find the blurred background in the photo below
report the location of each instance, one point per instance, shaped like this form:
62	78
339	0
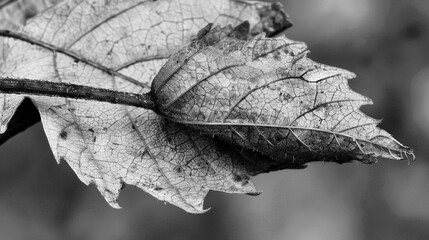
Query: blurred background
385	42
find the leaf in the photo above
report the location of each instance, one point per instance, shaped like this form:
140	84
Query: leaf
121	45
14	14
265	95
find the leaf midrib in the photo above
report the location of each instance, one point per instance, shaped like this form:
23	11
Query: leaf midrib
403	149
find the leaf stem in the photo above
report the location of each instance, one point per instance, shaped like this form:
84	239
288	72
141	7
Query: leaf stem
67	90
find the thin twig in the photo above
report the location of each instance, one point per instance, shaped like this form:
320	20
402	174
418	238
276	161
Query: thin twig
54	89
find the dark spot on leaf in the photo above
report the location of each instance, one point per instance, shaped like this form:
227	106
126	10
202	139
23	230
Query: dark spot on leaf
178	169
108	191
62	158
94	139
278	137
285	96
30	11
105	129
201	116
76	61
237	178
243	179
63	135
158	188
91	130
133	126
276	56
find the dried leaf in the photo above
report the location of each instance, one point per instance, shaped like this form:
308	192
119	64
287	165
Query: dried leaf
14	14
121	45
265	95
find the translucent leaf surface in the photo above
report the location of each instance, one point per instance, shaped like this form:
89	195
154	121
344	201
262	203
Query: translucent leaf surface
265	95
14	13
121	45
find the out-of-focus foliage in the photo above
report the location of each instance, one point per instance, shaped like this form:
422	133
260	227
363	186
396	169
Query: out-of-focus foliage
385	42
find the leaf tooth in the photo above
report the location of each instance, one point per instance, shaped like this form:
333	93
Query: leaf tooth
243	184
297	48
198	209
3	128
110	196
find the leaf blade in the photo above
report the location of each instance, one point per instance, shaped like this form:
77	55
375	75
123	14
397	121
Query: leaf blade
264	94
